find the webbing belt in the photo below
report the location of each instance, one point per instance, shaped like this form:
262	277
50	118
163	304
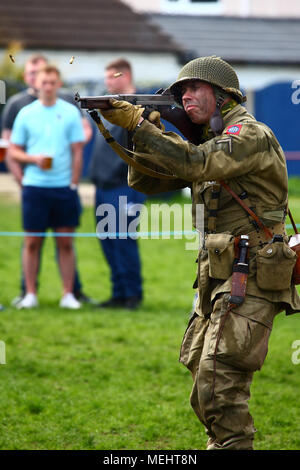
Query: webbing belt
259	238
213	207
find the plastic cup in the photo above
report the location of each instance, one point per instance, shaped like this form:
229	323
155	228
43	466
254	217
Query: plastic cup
47	162
3	148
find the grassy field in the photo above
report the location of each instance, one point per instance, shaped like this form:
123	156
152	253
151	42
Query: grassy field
111	379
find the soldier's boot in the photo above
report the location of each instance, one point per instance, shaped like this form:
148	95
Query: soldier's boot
212	444
243	445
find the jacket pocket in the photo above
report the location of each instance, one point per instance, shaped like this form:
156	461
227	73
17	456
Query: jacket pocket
220	247
275	263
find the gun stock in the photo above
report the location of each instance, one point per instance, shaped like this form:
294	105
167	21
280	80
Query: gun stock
178	117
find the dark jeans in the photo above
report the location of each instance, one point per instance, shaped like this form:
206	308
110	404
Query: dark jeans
122	254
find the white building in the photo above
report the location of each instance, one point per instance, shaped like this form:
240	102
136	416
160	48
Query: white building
242	8
259	38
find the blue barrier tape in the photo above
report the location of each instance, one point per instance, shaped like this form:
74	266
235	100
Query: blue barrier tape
106	234
95	235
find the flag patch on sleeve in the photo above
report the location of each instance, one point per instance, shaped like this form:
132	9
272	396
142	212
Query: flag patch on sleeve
235	129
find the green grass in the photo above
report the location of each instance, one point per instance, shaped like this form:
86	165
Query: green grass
111	379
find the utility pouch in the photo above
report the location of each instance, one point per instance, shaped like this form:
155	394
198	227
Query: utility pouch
275	263
220	247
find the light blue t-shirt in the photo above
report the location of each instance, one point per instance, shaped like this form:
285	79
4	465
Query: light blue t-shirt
48	130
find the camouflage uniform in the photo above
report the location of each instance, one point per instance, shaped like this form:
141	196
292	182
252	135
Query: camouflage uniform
248	157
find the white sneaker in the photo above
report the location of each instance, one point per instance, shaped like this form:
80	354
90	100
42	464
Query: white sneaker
69	301
16	300
29	301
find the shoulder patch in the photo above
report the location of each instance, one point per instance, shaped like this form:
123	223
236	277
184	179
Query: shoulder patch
235	129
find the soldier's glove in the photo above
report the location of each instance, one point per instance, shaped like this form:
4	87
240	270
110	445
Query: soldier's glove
123	114
154	117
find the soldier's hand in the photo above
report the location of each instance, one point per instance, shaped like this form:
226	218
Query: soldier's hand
123	114
154	117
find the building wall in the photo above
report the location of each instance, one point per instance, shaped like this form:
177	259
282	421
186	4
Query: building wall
151	69
255	77
243	8
265	8
89	66
180	6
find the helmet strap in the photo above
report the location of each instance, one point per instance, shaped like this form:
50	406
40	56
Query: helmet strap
224	104
216	120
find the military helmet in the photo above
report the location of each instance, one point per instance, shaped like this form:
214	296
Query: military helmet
212	70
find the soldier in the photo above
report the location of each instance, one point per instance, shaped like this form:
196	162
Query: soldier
227	337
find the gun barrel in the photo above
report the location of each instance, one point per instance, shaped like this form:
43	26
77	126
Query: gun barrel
102	102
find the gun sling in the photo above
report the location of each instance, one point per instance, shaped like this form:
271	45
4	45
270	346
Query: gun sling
124	153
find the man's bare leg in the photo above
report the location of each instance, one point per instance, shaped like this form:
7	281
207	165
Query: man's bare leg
66	258
31	255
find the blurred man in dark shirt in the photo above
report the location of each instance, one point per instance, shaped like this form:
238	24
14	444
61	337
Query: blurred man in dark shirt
109	174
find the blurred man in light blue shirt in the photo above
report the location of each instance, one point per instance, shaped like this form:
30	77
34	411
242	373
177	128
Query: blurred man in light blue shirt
48	130
14	104
49	127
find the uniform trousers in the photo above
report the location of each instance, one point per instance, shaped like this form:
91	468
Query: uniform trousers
222	378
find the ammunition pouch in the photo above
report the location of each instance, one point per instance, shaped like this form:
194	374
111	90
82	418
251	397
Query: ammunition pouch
275	264
220	247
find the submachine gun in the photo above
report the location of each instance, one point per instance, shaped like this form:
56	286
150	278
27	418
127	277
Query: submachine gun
161	101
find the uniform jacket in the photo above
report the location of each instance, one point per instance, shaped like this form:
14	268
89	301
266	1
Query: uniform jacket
248	157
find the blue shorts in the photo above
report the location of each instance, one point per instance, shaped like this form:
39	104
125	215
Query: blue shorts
49	208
